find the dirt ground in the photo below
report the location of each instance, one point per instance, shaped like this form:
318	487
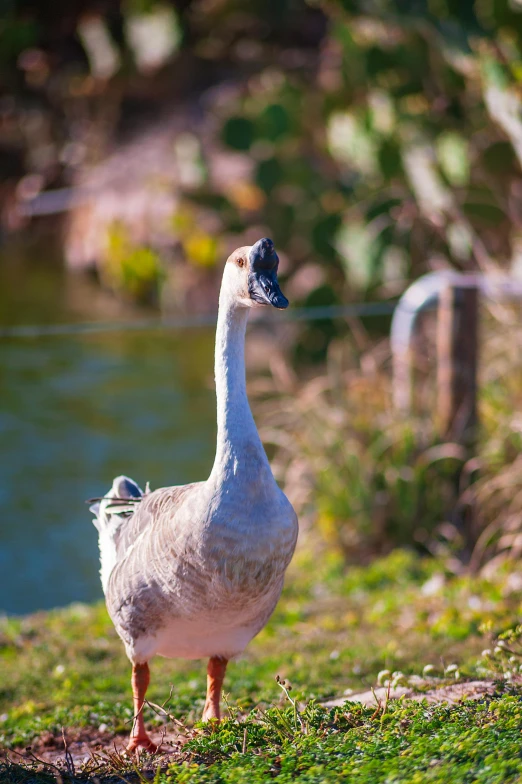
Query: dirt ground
89	747
452	694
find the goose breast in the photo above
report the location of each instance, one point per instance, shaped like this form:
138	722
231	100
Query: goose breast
207	573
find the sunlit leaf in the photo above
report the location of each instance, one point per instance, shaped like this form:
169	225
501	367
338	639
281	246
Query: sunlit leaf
201	249
133	269
358	249
382	111
350	142
494	73
453	155
153	35
460	240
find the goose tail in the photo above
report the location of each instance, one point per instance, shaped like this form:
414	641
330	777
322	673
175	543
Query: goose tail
110	514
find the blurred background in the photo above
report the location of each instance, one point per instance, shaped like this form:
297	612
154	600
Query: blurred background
375	141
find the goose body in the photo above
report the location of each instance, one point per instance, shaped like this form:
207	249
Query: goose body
200	570
195	571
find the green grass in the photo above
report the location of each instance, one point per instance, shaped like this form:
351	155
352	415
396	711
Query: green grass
413	743
332	631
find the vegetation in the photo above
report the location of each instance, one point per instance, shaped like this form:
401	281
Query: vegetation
374	141
471	742
333	632
368	479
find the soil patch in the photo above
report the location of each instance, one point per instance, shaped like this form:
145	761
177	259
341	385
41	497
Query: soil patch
451	694
91	755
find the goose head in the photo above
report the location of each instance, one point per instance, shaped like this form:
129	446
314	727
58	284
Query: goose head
250	276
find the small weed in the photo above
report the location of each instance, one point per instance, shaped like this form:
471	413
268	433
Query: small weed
504	658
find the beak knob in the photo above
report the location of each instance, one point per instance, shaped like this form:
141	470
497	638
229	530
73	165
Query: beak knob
263	256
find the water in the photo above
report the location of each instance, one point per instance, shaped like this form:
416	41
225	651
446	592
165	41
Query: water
74	413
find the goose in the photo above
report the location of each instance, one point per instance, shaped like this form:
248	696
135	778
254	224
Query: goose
195	571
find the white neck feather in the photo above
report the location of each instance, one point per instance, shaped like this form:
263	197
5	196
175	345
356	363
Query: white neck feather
239	449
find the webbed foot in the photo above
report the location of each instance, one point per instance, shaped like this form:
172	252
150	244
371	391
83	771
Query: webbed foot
141	743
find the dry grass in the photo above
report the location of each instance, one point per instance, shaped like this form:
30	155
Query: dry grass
369	479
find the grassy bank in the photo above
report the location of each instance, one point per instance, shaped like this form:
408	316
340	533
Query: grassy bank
333	631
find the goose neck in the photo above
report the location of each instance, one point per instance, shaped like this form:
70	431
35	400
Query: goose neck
238	441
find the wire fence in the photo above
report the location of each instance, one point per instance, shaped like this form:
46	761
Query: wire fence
356	310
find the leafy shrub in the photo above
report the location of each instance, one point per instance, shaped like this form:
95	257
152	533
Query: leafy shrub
129	269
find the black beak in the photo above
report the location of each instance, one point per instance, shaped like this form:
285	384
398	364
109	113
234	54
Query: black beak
262	279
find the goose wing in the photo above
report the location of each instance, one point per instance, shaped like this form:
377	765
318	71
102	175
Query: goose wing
144	587
153	513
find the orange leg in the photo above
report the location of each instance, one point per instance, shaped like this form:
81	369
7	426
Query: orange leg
215	675
140	681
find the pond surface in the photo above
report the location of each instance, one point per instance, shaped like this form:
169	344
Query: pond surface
76	411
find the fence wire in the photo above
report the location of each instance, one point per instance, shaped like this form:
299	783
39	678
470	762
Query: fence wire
360	309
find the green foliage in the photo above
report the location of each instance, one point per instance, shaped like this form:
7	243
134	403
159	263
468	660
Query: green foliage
132	270
16	34
376	139
239	133
396	105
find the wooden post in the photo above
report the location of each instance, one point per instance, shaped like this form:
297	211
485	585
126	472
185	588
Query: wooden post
457	357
